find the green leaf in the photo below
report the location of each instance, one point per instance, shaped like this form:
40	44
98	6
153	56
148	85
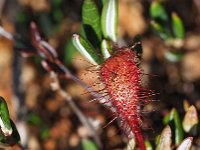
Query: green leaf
34	119
106	49
157	11
58	15
190	119
45	132
178	126
160	31
70	51
5	118
10	140
88	145
103	1
177	26
186	144
166	119
21	17
91	22
164	141
109	20
86	49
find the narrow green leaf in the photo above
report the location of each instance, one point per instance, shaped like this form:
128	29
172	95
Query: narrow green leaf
86	49
106	49
157	11
103	1
34	119
177	26
174	116
109	19
178	126
70	51
88	145
166	119
164	141
91	22
160	31
10	140
186	144
190	119
5	118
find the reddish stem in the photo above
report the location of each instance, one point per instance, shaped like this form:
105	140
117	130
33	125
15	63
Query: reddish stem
139	138
137	133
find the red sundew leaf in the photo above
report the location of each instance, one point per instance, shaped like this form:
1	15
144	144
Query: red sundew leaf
119	73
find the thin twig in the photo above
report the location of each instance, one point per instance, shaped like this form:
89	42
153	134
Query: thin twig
56	86
47	52
67	72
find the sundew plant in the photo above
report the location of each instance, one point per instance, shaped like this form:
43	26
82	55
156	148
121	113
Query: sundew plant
121	89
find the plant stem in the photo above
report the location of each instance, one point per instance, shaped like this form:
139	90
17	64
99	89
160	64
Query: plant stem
76	110
138	135
140	139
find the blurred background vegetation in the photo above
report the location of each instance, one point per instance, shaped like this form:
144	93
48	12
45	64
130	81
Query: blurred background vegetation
171	50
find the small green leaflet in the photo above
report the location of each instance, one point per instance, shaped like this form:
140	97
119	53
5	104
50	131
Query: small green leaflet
157	11
88	145
86	49
109	19
160	30
103	1
174	116
5	118
91	22
177	26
